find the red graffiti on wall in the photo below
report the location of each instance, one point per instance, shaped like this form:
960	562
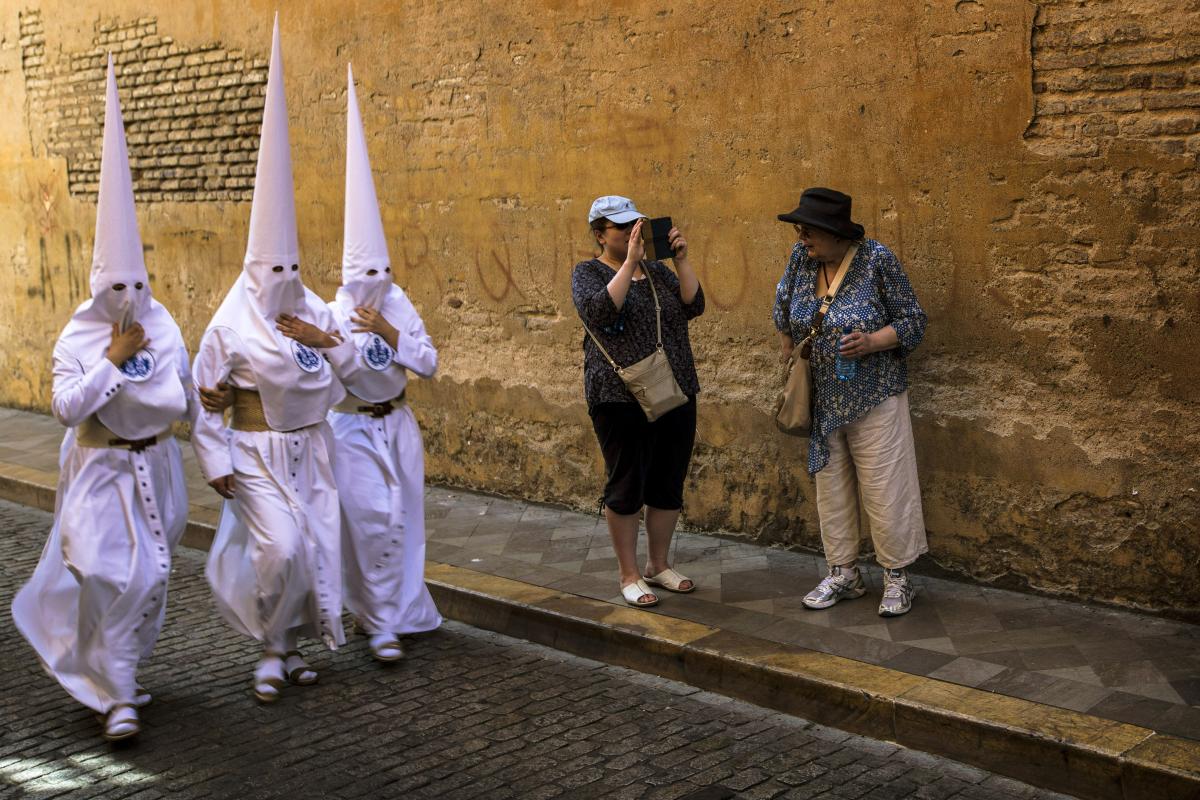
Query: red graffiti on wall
505	266
419	257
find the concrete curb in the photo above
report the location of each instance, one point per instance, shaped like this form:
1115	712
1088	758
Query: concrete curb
1066	751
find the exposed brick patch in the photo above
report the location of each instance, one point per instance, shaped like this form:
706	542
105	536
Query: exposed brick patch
1107	70
192	113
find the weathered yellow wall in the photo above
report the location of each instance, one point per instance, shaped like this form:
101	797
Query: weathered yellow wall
1034	165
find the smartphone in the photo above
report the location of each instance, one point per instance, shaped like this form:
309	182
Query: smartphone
654	237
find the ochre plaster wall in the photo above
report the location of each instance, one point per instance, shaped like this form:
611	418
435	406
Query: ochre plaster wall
1034	166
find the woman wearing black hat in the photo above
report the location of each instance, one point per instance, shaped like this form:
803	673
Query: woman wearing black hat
861	444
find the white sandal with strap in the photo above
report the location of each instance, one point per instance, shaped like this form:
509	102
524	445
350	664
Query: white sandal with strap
634	592
268	677
297	669
386	647
671	580
121	723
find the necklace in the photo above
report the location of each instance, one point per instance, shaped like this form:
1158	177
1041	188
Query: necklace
825	275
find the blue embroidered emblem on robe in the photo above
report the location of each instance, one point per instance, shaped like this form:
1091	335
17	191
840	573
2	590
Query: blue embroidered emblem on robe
377	353
138	367
308	359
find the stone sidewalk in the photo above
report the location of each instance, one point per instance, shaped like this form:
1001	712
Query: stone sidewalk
1137	674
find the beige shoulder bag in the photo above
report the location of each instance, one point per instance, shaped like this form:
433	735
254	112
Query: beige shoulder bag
651	381
793	409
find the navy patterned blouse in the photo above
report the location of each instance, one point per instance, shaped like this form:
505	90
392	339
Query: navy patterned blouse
630	334
874	294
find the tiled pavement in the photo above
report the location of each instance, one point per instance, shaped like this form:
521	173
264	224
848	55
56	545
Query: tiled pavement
1113	664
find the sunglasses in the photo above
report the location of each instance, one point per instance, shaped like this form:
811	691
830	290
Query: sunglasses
621	226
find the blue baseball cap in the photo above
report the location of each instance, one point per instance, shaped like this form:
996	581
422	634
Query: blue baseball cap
615	209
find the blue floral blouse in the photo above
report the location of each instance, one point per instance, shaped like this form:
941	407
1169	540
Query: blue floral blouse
874	294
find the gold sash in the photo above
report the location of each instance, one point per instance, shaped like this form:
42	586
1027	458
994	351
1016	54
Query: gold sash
94	433
248	411
248	415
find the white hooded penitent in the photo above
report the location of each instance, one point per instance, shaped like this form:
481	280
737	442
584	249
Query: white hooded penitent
93	607
380	462
274	562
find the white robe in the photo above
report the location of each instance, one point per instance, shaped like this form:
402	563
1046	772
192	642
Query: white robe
97	599
275	562
380	469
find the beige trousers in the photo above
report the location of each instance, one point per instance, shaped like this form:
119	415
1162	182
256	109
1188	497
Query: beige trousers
873	470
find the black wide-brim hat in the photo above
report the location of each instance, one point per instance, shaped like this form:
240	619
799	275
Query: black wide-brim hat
827	209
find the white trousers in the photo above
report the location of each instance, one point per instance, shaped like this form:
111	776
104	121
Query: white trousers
873	470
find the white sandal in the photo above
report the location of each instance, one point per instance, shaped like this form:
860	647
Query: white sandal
268	678
671	580
121	723
386	648
141	697
298	671
633	593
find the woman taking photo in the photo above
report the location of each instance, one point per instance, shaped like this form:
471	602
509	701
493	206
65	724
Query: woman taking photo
861	442
632	307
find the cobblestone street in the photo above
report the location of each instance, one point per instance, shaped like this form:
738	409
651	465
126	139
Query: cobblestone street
468	714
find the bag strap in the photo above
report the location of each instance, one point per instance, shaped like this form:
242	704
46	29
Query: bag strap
657	322
791	293
830	294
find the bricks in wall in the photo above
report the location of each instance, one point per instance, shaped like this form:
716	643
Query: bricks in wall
1102	73
192	114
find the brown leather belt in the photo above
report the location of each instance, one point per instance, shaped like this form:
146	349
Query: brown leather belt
94	433
356	405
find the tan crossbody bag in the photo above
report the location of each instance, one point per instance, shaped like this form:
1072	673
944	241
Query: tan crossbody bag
651	381
793	408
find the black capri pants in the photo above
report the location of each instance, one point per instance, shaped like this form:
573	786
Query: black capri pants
647	462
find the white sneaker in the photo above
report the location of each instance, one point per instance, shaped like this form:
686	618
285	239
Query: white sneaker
898	593
842	582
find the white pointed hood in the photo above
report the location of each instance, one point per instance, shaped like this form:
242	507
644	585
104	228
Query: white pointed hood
364	248
273	242
117	252
154	396
363	244
294	381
